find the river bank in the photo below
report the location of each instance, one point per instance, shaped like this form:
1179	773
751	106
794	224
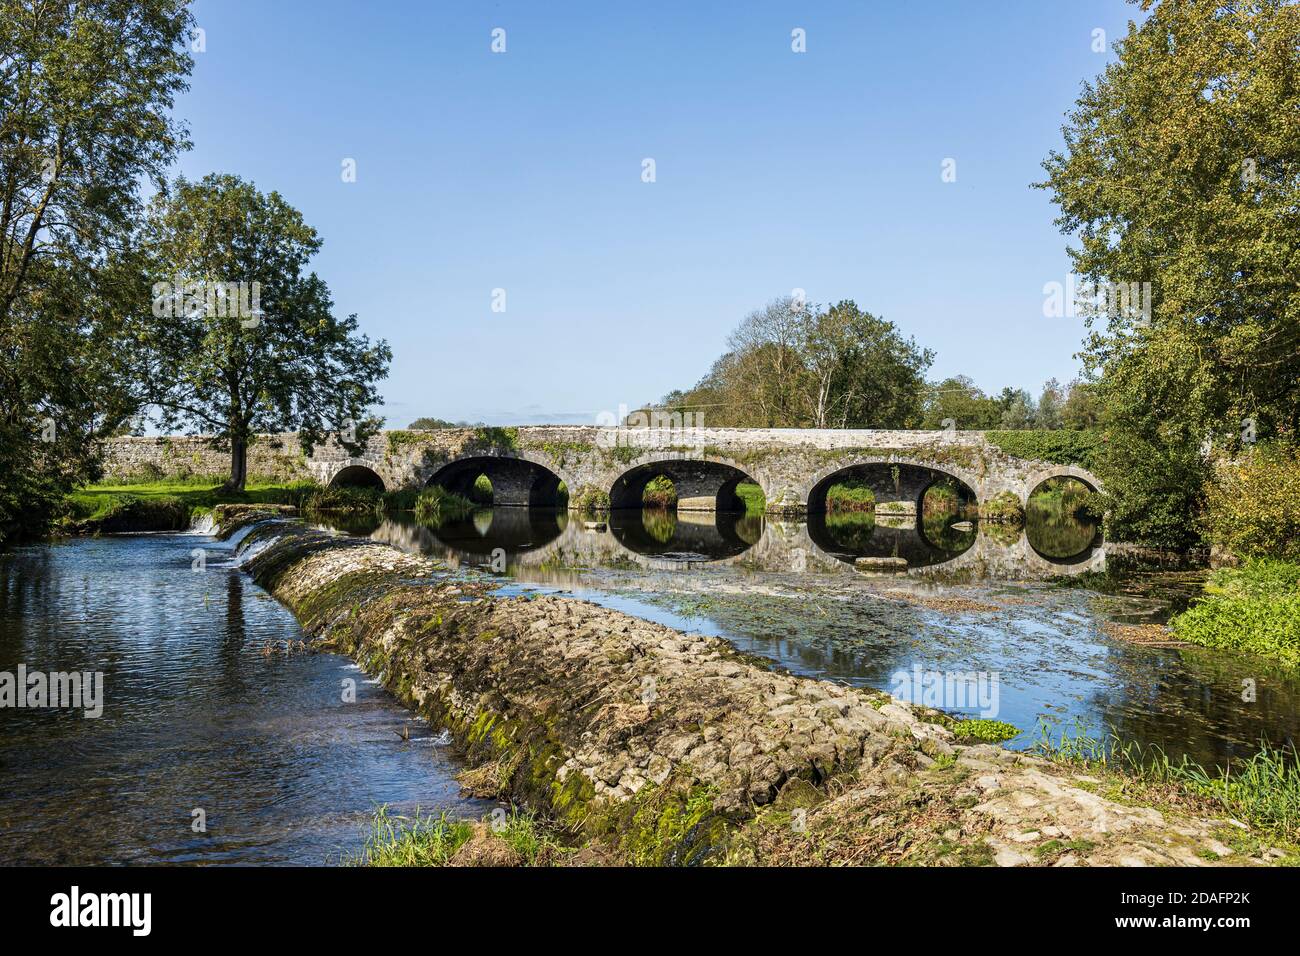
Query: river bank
648	745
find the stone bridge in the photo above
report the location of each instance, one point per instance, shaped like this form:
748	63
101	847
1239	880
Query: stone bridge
611	466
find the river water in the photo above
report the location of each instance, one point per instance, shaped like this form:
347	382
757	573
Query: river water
1033	608
211	704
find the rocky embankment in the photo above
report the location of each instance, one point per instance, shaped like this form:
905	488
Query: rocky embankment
654	746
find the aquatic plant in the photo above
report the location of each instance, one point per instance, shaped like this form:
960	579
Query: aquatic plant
1263	790
1002	507
979	728
1253	608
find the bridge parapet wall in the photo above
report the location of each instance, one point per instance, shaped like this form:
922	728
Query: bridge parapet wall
786	462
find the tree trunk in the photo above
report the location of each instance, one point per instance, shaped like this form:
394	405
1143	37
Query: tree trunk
238	464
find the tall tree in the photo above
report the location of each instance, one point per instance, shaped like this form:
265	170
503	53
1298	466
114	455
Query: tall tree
1047	414
957	399
232	360
1181	170
86	92
797	365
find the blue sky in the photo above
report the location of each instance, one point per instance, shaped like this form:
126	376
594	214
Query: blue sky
774	170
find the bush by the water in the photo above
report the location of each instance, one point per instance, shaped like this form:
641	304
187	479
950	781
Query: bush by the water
659	493
345	499
1253	504
1004	507
850	496
1253	608
437	504
590	500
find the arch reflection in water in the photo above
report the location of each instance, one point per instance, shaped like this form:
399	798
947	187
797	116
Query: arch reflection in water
1059	523
855	534
687	536
513	530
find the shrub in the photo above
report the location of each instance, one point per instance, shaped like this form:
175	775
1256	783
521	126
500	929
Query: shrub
1060	446
659	493
850	496
590	500
993	731
1003	507
1253	608
1253	504
436	504
344	499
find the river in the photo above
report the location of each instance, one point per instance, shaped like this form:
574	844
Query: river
212	704
209	706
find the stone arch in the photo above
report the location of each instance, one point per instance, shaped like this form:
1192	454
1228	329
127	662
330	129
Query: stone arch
355	473
696	478
1091	481
520	479
815	487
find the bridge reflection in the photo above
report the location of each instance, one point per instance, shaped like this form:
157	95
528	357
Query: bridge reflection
528	542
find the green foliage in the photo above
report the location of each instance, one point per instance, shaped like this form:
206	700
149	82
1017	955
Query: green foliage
429	840
792	367
752	495
295	366
436	504
590	500
1003	508
502	439
1254	608
345	499
86	97
991	731
1179	171
1061	446
659	493
1253	504
850	496
433	424
413	841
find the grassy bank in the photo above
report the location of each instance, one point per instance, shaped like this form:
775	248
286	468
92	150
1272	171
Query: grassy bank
1253	608
850	496
1262	791
174	505
164	505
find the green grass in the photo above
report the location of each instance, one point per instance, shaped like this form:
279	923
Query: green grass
1262	790
1254	608
752	495
158	505
850	496
436	504
429	840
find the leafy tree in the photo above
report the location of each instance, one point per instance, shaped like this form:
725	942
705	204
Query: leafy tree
791	365
1047	414
232	372
1081	409
1017	409
86	92
431	424
958	400
1181	169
